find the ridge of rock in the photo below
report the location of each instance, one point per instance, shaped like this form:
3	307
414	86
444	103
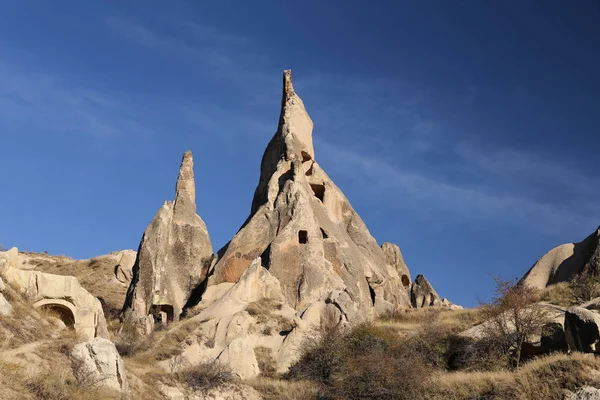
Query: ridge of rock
564	262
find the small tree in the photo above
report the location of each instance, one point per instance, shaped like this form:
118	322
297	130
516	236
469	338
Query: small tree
513	315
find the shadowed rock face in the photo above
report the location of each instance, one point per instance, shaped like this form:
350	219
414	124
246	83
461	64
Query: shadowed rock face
564	262
423	294
173	256
307	234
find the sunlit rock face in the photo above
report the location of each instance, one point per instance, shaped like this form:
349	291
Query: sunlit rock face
173	257
307	234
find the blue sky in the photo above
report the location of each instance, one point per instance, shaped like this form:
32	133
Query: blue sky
466	132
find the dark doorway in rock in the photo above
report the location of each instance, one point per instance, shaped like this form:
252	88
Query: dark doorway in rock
61	312
324	234
372	293
405	280
319	191
302	237
162	313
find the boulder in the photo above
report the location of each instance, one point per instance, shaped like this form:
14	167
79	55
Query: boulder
2	286
224	392
239	356
124	268
97	362
582	330
6	309
564	262
173	258
422	294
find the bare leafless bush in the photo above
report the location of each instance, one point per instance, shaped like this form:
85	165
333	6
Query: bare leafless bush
513	315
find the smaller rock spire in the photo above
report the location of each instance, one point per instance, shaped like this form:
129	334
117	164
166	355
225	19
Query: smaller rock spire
185	191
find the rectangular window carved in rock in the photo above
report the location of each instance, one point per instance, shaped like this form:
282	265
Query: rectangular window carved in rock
302	237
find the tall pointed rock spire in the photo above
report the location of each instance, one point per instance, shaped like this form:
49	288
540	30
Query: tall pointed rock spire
307	234
173	257
185	191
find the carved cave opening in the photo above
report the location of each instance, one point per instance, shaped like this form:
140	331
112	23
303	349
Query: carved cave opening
372	293
162	313
302	237
61	312
405	280
319	191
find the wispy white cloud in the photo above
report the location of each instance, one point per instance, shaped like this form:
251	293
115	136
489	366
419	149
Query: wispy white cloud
432	198
57	105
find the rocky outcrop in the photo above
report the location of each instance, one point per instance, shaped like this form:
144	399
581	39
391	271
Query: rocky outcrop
97	362
124	267
173	257
306	232
564	262
224	392
582	330
302	261
6	309
393	256
63	295
422	294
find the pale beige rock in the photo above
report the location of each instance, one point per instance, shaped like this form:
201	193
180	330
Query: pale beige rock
5	308
63	294
394	257
306	232
239	356
225	392
124	267
97	362
173	257
2	286
562	263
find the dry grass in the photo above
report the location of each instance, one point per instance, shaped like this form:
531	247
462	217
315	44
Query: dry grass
541	379
266	362
56	383
277	389
560	294
26	325
412	319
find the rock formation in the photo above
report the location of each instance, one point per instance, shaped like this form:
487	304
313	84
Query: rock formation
582	330
173	257
393	256
422	294
63	295
124	267
303	260
307	234
564	262
97	362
